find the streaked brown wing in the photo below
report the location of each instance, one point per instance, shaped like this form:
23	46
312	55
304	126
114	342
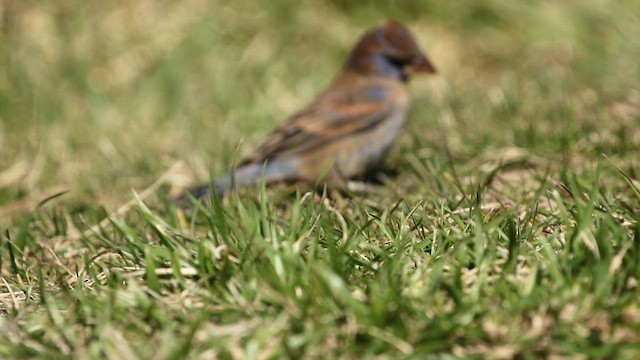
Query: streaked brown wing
319	124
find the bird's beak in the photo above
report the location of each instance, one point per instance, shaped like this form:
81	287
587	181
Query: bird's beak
420	64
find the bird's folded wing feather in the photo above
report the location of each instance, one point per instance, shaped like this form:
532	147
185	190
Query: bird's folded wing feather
321	123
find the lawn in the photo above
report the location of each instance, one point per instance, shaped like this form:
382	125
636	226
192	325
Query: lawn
506	223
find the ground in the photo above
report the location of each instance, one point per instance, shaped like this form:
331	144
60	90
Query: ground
505	223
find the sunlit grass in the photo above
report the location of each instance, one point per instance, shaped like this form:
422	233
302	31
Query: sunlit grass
507	225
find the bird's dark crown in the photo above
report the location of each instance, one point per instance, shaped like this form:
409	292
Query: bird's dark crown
389	50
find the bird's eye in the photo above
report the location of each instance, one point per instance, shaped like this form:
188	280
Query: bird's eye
400	59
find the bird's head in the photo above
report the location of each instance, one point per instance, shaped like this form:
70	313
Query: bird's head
389	50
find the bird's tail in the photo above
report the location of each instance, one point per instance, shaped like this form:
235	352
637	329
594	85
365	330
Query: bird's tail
246	175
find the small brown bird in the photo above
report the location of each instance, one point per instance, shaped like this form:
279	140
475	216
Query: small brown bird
348	128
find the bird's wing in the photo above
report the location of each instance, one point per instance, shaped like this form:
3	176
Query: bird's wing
323	121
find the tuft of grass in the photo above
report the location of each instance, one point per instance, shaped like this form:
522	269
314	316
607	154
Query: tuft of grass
506	226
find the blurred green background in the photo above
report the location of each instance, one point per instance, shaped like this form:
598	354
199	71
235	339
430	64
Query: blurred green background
101	97
474	246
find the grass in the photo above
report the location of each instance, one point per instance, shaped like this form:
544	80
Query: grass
507	227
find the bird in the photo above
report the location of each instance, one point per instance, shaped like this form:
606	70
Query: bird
347	129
